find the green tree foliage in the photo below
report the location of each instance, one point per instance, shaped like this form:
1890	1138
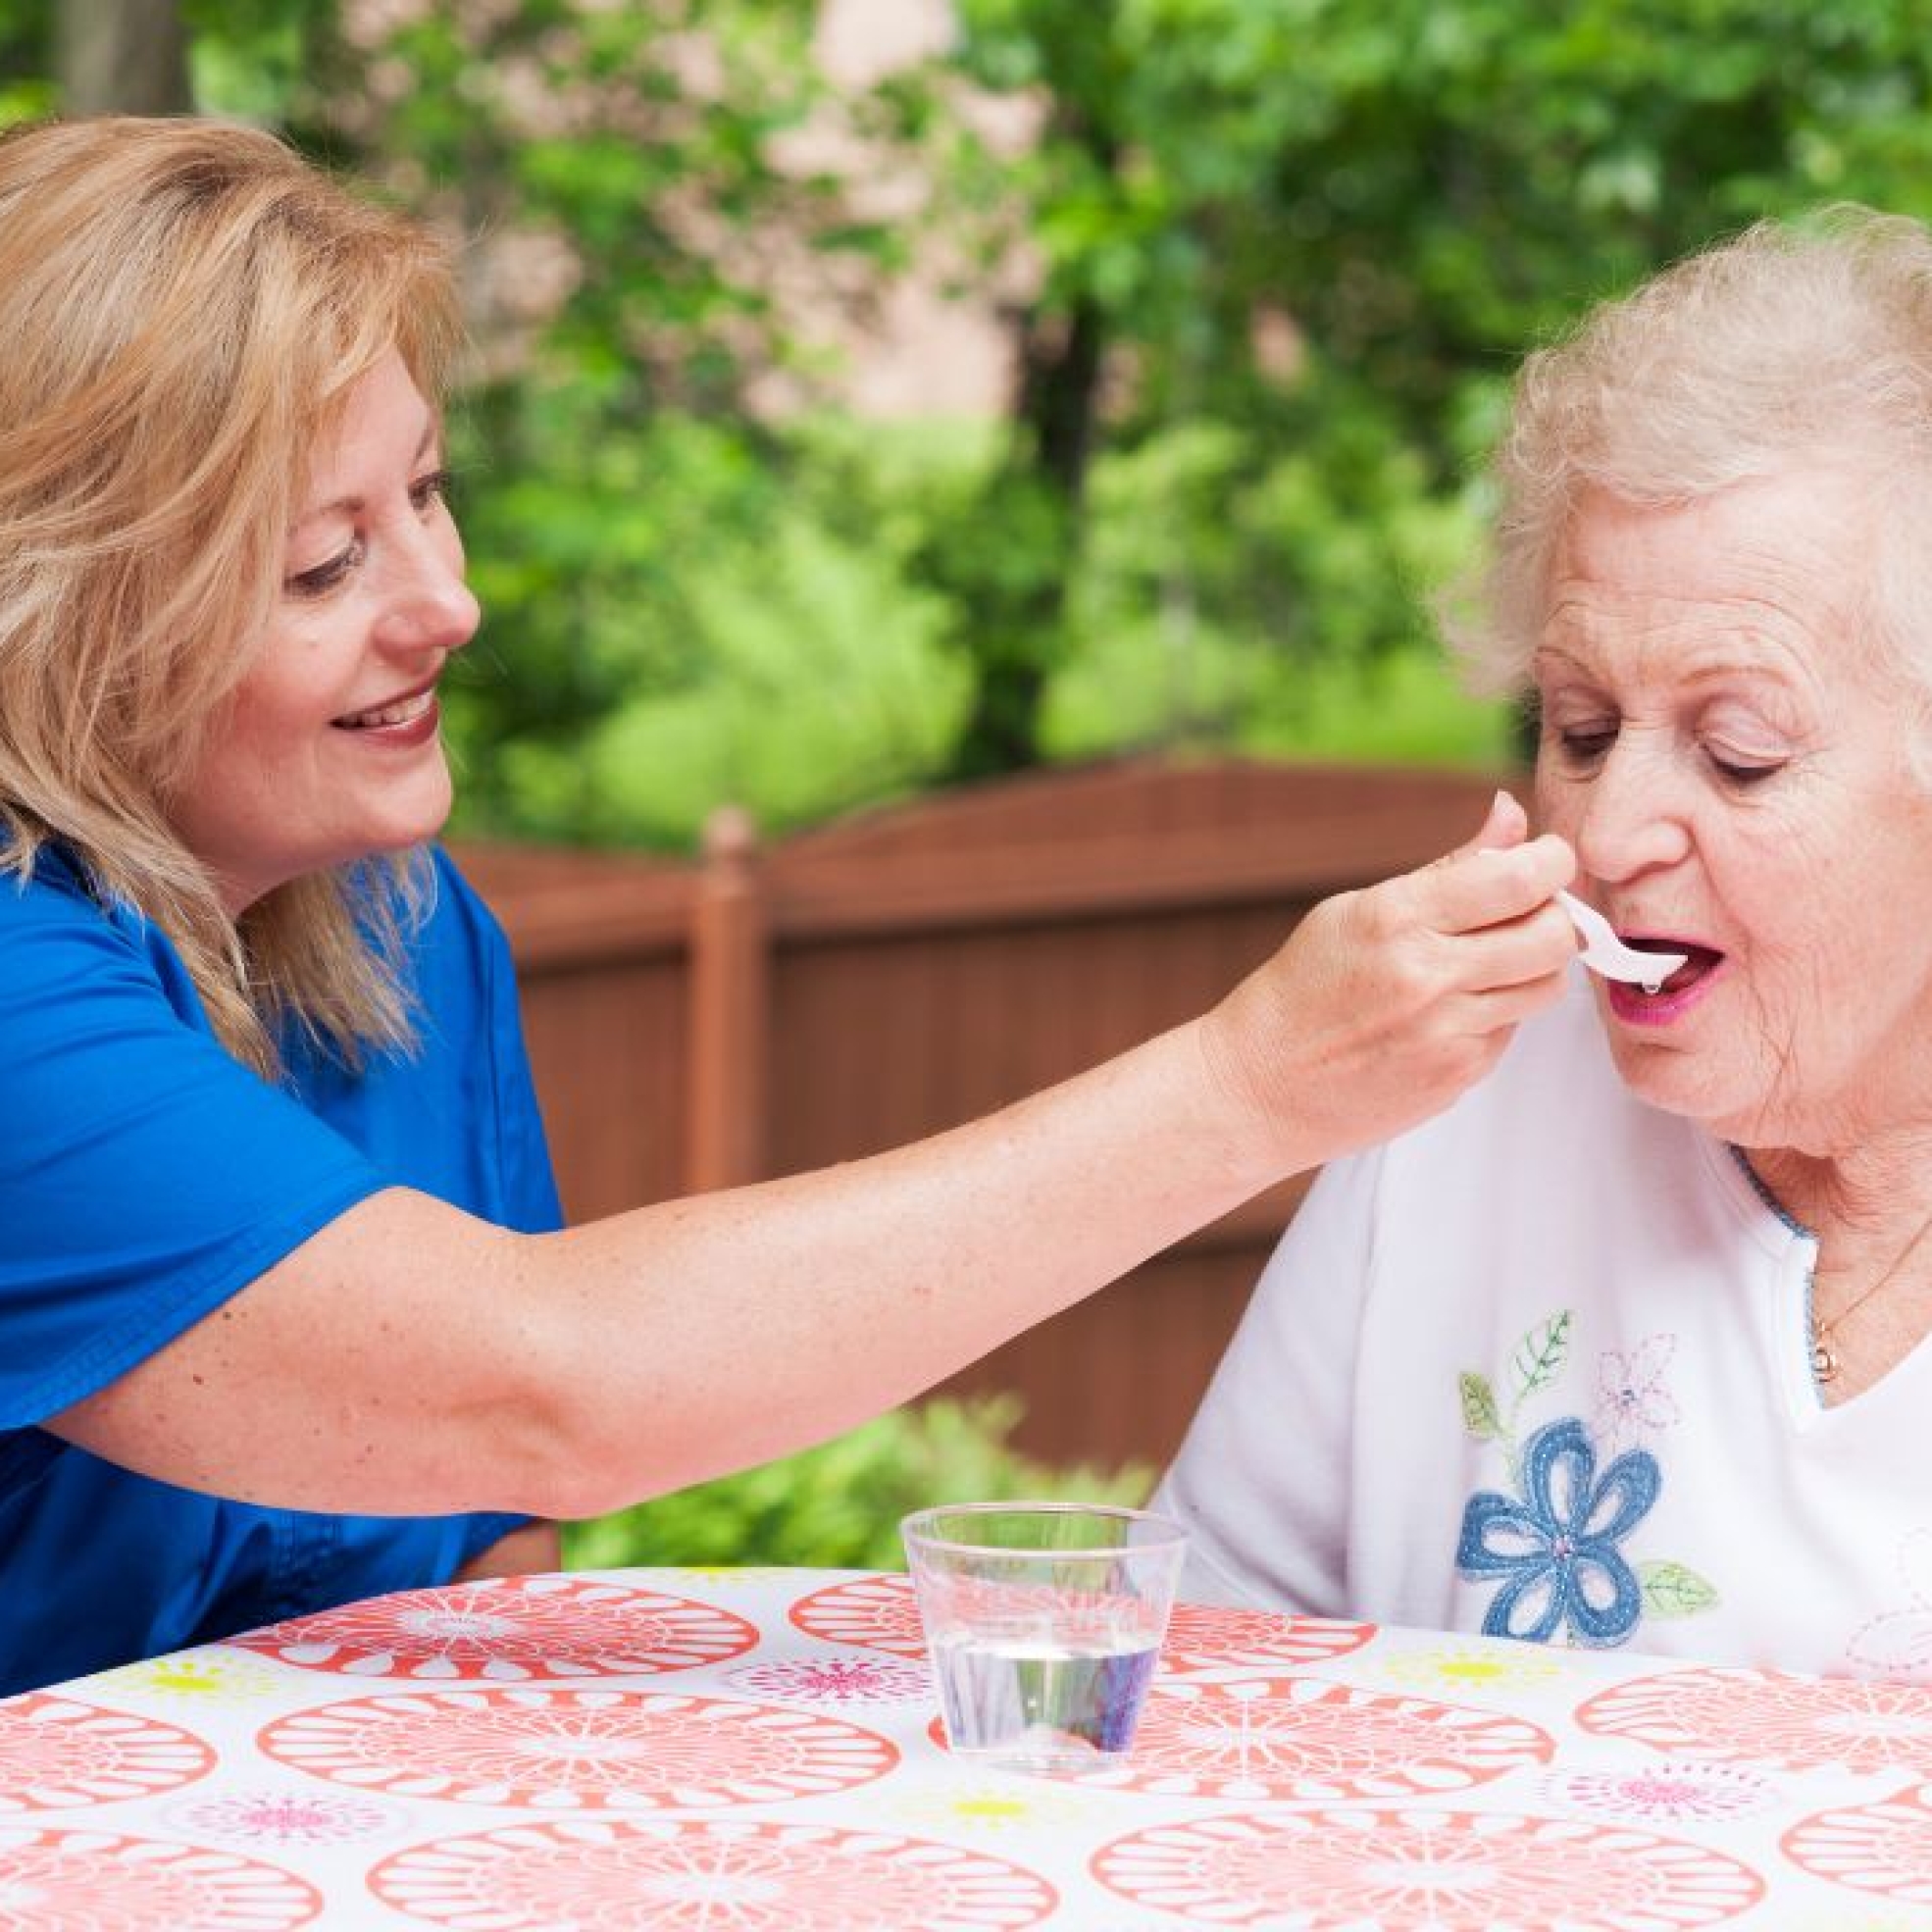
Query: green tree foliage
1291	251
1277	261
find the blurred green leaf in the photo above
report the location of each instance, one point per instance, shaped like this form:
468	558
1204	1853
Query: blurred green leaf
838	1506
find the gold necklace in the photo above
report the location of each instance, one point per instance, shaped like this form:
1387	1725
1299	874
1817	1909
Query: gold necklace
1824	1358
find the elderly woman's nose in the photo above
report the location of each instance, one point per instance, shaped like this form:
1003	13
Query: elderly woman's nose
1631	821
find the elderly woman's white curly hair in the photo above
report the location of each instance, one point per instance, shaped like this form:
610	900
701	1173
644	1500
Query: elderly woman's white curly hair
1793	346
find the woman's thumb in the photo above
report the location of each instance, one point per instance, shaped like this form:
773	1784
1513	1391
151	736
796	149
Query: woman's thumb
1506	824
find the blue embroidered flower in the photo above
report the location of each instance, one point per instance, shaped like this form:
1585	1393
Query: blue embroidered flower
1558	1544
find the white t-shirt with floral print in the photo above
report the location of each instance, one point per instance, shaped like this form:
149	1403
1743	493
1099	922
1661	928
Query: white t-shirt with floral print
1541	1368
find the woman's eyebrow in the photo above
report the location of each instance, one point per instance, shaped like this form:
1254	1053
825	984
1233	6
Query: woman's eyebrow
353	504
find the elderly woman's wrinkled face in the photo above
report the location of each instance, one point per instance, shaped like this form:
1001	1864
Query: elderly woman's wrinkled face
1730	764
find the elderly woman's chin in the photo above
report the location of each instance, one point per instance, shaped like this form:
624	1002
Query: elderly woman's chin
1758	1085
1709	1083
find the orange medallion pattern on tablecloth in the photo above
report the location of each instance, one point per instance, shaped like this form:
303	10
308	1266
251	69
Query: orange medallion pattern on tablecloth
105	1881
1207	1637
1884	1847
588	1749
1415	1870
877	1612
56	1752
510	1630
1307	1739
1794	1723
703	1876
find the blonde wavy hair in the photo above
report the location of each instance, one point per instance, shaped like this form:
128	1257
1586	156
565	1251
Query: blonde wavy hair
184	307
1790	346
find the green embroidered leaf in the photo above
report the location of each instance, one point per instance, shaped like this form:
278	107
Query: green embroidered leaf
1479	1411
1673	1590
1541	1355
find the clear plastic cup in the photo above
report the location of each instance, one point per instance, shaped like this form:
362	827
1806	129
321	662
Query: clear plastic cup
1045	1622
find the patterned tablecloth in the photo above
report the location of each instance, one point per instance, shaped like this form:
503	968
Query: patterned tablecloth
754	1751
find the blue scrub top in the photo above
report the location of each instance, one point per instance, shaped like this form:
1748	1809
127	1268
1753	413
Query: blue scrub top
145	1177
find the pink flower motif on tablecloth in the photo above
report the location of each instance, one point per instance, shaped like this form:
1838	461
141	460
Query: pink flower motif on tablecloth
833	1680
55	1752
1898	1643
1884	1847
1304	1738
875	1612
1666	1794
287	1818
597	1749
1632	1401
1779	1721
1426	1872
104	1881
510	1630
692	1876
1210	1636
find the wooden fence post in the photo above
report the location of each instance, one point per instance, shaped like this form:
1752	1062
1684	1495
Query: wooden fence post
730	1010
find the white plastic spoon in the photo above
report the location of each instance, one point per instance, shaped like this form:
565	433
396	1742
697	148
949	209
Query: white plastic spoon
1604	952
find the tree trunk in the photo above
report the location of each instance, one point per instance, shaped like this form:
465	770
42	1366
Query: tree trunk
123	57
1040	497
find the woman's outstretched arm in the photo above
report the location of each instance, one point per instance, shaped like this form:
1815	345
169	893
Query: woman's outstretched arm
410	1358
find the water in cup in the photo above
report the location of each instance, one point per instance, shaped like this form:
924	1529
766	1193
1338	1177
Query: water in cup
1049	1704
1044	1622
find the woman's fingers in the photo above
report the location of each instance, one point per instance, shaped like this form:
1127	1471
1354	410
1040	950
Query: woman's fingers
1506	824
1475	888
1537	944
1385	1003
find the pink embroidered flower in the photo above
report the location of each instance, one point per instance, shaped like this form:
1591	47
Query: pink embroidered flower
1631	1396
1898	1643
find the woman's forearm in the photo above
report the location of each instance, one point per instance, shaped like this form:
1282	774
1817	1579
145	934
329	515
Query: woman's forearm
784	1312
410	1358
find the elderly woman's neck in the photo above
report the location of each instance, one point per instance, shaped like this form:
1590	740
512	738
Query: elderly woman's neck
1878	1183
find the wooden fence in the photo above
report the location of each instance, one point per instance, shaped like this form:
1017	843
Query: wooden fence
777	1009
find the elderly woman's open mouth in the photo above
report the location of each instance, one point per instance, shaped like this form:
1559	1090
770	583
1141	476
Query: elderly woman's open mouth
1677	992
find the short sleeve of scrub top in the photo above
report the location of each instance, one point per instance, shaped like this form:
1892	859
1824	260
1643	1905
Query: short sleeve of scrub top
145	1178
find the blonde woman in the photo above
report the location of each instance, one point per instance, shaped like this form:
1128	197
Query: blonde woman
285	1314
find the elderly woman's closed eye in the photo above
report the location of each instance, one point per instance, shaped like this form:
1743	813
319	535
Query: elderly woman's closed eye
1712	578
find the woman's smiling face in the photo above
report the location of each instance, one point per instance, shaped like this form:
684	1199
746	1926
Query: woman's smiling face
329	749
1730	763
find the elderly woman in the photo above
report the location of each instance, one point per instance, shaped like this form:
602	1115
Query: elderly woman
285	1314
1628	1346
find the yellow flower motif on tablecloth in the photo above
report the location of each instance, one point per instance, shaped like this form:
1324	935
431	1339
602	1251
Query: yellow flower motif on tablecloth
725	1573
995	1807
1475	1666
214	1676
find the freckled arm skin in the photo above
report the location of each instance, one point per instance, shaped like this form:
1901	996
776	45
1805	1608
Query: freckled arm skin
411	1358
